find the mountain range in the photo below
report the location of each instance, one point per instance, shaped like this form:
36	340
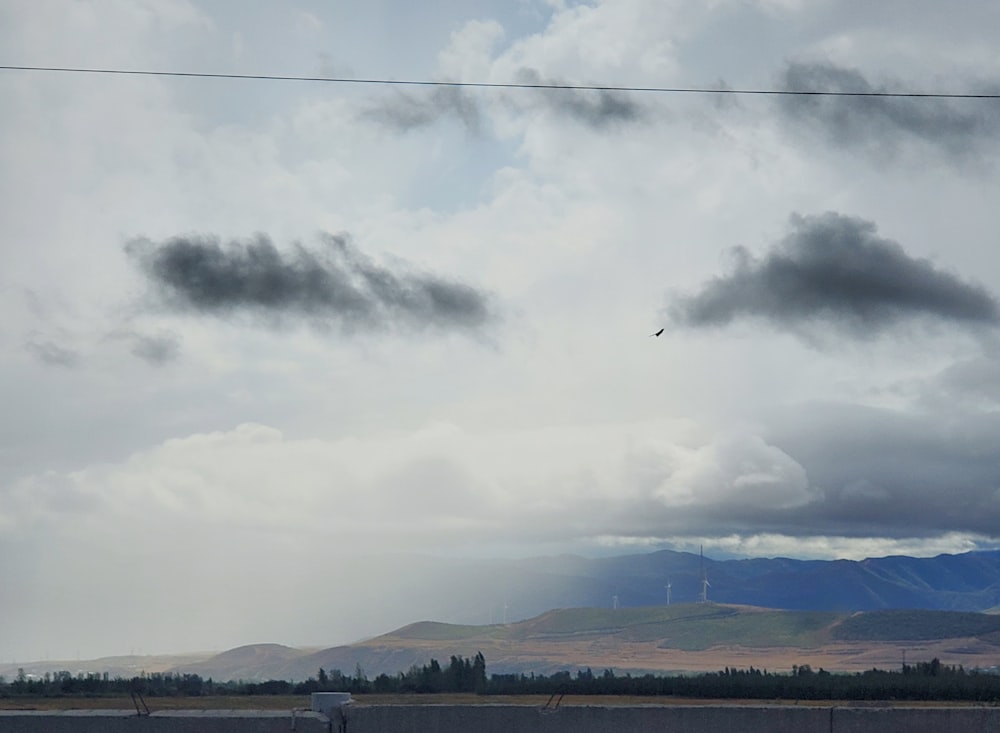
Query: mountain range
527	588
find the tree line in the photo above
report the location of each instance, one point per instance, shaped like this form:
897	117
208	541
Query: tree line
922	681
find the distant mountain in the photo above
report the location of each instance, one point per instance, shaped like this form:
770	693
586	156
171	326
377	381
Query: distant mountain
678	638
967	582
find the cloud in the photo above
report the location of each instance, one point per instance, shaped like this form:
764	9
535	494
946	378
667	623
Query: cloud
818	470
156	350
403	111
881	124
52	353
331	283
597	109
439	487
894	473
835	268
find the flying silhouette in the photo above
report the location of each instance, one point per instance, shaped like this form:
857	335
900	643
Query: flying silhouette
657	333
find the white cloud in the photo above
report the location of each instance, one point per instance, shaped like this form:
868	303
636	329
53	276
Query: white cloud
438	486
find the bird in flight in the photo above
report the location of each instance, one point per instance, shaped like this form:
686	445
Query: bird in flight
657	333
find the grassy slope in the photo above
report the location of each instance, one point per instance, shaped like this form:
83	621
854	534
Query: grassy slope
897	625
654	637
687	626
702	626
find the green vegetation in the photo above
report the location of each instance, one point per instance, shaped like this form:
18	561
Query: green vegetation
434	631
694	627
689	627
915	625
761	629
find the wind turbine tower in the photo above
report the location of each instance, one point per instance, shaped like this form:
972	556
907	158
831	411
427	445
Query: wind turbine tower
704	578
614	601
668	592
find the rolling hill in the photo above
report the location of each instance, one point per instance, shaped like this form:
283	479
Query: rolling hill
899	597
663	639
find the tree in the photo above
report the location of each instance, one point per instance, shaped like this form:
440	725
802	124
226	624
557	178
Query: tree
479	673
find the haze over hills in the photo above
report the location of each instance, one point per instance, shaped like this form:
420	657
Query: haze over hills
660	639
484	591
474	597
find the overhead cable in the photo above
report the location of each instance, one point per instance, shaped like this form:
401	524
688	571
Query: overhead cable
511	85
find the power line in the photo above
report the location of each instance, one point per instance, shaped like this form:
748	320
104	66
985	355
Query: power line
508	85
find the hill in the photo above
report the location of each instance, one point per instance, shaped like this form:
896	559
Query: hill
480	591
663	639
245	662
468	592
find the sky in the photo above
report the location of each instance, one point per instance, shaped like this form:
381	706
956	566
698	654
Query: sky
260	334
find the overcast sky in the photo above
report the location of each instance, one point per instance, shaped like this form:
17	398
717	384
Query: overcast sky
257	330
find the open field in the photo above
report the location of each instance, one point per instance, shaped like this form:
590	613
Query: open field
694	638
601	653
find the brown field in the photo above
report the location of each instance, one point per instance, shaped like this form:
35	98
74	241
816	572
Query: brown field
970	653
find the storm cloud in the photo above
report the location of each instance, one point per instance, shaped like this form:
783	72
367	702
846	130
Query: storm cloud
892	473
881	124
333	283
835	268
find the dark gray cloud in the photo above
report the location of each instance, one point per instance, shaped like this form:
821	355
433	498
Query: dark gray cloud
881	124
891	473
835	268
415	110
329	284
597	109
52	353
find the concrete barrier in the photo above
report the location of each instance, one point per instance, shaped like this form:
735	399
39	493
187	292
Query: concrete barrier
174	721
584	719
668	719
908	720
357	718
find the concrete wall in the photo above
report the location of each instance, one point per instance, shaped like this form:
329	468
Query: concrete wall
175	721
574	719
522	719
666	719
905	720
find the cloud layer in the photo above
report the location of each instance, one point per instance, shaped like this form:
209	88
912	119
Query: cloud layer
837	269
331	284
957	127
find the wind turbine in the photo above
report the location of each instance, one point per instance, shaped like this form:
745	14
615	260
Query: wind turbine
704	578
668	592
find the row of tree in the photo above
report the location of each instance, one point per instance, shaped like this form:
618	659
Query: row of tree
923	681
